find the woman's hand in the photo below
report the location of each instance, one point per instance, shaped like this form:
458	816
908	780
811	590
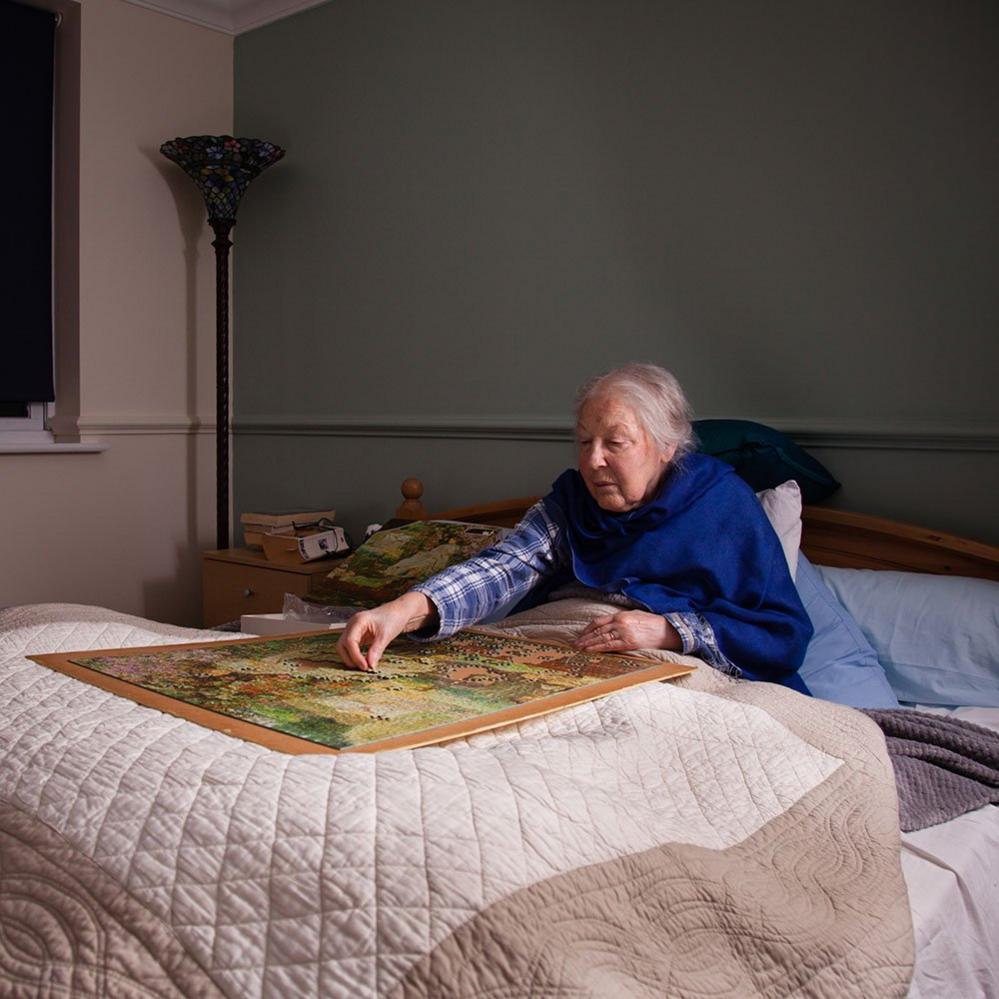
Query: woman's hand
377	627
628	630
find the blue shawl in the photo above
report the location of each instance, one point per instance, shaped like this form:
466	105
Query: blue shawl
703	544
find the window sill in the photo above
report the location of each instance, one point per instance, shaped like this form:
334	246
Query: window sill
42	447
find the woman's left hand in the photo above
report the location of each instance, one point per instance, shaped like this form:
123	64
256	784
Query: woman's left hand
628	630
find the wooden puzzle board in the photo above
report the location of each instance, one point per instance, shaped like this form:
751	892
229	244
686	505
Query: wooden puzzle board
293	694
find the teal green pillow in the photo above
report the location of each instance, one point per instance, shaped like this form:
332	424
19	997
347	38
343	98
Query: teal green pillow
765	457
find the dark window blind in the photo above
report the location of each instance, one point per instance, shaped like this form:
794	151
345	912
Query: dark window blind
27	45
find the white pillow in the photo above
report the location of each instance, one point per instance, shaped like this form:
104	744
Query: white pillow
782	505
937	637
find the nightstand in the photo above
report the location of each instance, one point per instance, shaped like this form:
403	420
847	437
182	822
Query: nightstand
237	581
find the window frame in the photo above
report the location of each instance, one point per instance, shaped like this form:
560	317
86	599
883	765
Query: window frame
54	427
32	428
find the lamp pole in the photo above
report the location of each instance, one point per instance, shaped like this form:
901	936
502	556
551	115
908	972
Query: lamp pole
222	167
222	244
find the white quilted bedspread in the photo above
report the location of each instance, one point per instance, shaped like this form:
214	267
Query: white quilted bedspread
333	875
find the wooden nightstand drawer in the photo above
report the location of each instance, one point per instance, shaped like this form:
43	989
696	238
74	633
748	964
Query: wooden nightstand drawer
240	581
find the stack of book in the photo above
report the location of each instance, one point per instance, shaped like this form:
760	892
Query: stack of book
256	525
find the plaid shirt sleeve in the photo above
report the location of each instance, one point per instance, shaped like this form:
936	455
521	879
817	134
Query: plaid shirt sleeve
498	576
698	638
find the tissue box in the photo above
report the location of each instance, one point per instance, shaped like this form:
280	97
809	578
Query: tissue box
278	624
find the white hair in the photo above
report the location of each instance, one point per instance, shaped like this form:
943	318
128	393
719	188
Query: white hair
655	396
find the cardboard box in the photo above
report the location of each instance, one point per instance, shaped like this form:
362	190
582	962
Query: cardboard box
299	548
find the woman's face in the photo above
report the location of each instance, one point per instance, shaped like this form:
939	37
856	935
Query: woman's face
620	463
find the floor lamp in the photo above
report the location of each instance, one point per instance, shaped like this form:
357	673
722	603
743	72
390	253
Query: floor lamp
222	167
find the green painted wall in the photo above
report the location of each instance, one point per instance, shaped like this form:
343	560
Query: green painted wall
791	205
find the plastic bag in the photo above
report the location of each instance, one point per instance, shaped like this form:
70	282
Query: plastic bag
296	609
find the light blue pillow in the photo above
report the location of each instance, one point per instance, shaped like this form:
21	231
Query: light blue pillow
936	636
840	664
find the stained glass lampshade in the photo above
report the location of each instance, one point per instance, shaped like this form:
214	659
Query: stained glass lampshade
222	167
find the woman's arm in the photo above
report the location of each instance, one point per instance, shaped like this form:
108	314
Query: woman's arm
628	630
460	595
377	627
496	577
677	631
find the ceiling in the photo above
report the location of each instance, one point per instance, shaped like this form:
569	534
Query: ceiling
231	16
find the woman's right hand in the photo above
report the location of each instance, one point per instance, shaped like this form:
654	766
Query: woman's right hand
377	627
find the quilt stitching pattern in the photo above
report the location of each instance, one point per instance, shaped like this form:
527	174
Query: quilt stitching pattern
287	875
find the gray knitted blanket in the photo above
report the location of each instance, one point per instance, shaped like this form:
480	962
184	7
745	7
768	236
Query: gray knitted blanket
944	767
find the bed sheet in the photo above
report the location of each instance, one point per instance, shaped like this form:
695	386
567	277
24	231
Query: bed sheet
952	875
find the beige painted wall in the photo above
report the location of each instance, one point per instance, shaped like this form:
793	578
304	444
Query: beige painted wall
124	528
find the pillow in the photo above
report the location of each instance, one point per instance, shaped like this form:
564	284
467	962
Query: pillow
936	636
783	509
764	457
840	664
394	559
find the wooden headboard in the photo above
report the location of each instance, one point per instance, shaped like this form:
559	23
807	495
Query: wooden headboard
829	537
861	541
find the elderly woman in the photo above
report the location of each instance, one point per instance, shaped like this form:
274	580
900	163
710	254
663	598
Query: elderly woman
674	538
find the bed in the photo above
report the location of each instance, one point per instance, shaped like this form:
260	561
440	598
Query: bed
706	837
951	870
